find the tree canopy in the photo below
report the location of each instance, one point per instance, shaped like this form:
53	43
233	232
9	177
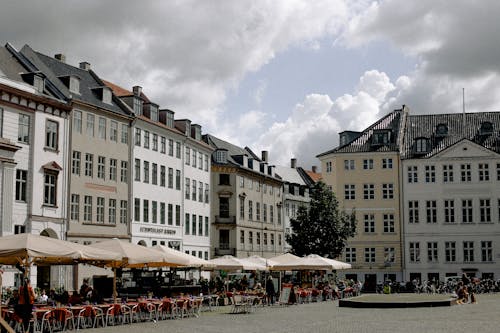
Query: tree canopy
322	228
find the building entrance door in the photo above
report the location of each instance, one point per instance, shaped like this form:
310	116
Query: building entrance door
370	284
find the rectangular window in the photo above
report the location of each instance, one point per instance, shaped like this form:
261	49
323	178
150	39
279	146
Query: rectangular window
178	179
145	210
124	172
484	172
146	172
431	211
23	132
123	211
146	139
265	238
207	192
465	173
101	166
430	174
177	149
112	169
468	251
50	188
349	165
264	212
200	161
102	128
387	163
388	223
177	215
467	211
163	175
498	171
100	210
124	133
485	210
389	255
413	211
369	254
170	147
194	159
449	211
350	254
87	209
388	191
257	211
450	251
170	178
137	209
186	224
77	121
162	213
154	174
200	225
51	134
369	222
155	142
329	167
154	211
414	251
271	213
170	214
486	251
138	137
242	208
258	239
188	156
163	145
21	184
242	181
75	207
412	174
367	164
112	211
432	252
349	191
75	162
448	173
206	226
206	162
368	191
250	210
89	164
200	191
113	131
187	189
137	170
90	125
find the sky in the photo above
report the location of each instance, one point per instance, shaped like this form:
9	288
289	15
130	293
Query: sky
283	76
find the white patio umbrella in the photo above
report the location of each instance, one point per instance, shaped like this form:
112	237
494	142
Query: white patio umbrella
183	259
230	263
321	263
256	260
286	262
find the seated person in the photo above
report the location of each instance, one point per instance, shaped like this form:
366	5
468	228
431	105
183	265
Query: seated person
14	299
43	297
74	298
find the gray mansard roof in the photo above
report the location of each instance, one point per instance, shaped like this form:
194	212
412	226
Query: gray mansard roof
54	69
290	175
363	142
444	130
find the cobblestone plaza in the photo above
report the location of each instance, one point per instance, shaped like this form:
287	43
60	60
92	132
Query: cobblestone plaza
329	317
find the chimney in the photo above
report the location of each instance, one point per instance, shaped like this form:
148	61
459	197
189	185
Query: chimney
293	163
314	169
137	90
61	57
85	65
265	156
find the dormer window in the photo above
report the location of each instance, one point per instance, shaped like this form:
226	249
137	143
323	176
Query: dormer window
221	156
380	138
486	128
137	106
106	95
153	112
74	84
441	130
39	83
170	119
422	145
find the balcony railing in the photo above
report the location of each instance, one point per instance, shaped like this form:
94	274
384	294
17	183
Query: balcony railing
222	251
225	220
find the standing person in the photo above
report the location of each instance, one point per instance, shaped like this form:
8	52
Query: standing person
270	290
26	301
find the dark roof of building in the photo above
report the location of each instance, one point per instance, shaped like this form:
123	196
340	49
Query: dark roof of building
9	66
453	128
363	142
55	69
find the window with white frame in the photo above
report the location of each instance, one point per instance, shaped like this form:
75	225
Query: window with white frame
448	173
178	179
388	191
123	211
257	211
155	142
206	162
431	210
484	172
194	158
242	208
188	156
486	251
170	214
137	170
329	166
162	213
349	191
484	210
188	188
412	174
264	212
101	166
193	190
21	184
207	192
146	139
468	251
430	174
51	134
250	210
124	138
100	210
389	255
145	177
368	191
90	125
112	211
102	128
193	225
368	164
467	215
200	191
349	165
87	209
250	237
450	251
242	181
163	175
163	145
177	149
350	254
369	223
414	251
369	254
154	174
449	211
23	131
432	252
387	163
113	167
89	165
138	137
77	121
389	223
124	171
206	226
145	210
75	207
170	178
413	211
154	211
113	131
465	172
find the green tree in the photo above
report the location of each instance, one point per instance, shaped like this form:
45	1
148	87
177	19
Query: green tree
322	228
